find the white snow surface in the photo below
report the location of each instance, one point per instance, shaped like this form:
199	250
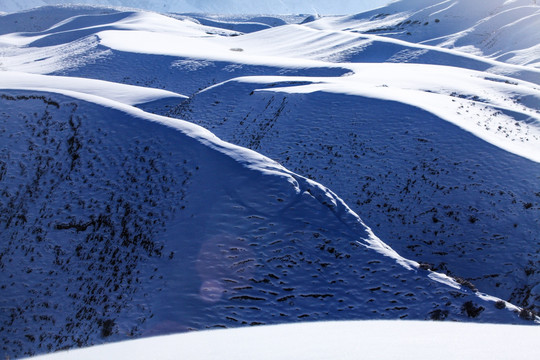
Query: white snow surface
407	84
399	103
212	270
352	340
126	94
496	30
221	7
297	46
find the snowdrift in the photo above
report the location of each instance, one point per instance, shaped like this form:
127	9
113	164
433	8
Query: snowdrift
433	191
330	340
123	224
119	223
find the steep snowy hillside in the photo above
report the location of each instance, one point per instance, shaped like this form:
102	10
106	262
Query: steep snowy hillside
430	189
500	29
111	234
121	223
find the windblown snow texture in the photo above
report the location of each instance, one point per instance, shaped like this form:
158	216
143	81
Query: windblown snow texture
119	222
111	233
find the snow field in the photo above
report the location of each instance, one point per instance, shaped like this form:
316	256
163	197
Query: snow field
123	224
330	340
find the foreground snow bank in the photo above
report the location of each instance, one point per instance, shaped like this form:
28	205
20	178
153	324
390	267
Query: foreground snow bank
330	340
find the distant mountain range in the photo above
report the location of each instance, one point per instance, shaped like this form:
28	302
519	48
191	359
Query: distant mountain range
216	7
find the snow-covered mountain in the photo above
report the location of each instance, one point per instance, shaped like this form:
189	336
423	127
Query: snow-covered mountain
218	7
121	219
500	29
123	224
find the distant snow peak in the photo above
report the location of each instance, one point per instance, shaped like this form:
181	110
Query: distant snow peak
220	7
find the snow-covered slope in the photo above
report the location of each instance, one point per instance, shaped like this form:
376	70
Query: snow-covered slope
430	189
127	94
499	29
377	340
121	223
117	225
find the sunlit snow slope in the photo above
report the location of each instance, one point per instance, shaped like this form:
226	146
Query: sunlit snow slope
347	340
498	29
110	233
121	223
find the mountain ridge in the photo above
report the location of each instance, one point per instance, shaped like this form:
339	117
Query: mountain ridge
125	244
123	223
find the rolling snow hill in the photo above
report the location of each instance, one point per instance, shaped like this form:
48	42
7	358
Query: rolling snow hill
430	196
111	234
500	29
121	222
